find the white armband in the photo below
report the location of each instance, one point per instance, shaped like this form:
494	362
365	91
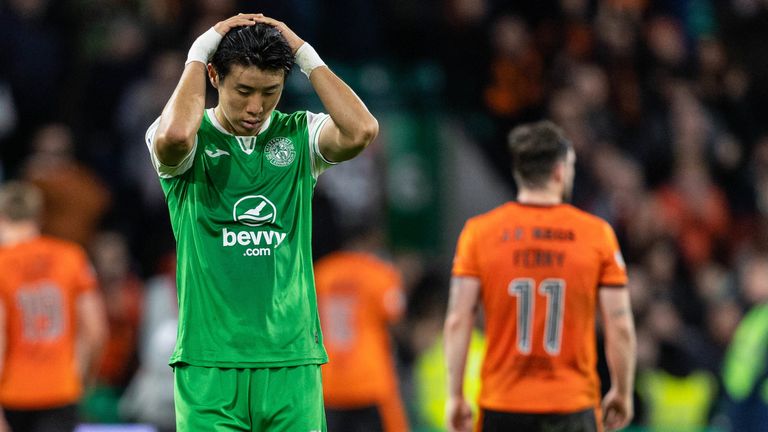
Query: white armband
204	46
307	59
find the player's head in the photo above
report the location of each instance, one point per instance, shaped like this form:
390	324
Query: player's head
249	70
20	203
259	45
541	157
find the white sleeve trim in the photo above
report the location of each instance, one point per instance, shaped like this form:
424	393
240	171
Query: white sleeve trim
167	171
315	124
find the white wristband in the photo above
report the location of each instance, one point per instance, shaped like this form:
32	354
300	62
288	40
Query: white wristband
307	59
204	46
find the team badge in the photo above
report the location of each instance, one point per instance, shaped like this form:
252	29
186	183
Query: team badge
280	151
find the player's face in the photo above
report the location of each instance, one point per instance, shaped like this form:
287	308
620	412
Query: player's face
247	97
570	173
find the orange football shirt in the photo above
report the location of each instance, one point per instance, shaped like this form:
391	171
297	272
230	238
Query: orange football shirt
358	296
540	269
40	281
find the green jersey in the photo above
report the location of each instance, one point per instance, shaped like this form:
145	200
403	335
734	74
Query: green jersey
241	212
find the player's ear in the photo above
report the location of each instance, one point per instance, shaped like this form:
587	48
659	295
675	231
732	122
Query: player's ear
558	171
213	76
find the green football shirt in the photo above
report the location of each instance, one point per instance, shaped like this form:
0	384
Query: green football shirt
241	212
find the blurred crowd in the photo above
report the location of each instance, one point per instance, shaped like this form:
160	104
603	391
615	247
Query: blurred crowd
663	100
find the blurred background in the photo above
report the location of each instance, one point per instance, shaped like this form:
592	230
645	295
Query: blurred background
664	101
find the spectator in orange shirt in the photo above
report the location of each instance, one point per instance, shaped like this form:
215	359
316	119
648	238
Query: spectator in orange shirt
540	267
359	297
52	320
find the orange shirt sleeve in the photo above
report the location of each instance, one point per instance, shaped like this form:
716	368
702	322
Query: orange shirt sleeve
465	261
613	272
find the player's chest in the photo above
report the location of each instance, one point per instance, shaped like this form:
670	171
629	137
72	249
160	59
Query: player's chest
250	161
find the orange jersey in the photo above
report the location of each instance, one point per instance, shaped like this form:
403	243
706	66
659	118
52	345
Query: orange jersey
540	268
358	297
40	281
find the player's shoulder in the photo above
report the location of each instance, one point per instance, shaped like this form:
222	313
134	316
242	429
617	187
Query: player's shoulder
62	246
351	260
495	213
512	210
586	220
367	270
493	217
45	245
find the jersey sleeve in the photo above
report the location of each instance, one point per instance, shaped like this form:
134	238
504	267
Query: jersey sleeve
465	261
315	124
613	271
167	171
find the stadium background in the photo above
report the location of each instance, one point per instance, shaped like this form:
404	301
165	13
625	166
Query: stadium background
663	100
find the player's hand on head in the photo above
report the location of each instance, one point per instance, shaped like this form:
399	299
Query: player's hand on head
617	410
239	20
294	41
459	415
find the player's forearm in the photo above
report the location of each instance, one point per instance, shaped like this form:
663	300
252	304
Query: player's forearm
182	115
457	333
92	334
89	349
620	355
357	126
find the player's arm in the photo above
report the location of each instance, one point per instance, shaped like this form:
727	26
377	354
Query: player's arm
92	332
183	113
620	352
457	333
3	347
351	127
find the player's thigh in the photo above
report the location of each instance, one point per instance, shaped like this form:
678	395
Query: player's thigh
581	421
363	419
288	399
211	399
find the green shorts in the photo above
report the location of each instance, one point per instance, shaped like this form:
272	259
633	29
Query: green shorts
286	399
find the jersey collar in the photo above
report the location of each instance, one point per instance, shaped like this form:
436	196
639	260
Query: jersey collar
215	122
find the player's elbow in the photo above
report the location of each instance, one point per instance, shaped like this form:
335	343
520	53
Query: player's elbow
172	144
174	137
363	135
455	323
622	333
369	131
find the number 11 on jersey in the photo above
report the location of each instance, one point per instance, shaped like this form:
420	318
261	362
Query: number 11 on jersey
554	290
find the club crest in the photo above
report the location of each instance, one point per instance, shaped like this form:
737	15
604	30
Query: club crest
280	151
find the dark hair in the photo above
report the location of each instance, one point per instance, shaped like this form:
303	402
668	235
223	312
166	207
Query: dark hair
259	45
535	149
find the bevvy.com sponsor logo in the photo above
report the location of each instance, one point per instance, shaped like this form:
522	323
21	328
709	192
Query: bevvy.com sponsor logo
253	211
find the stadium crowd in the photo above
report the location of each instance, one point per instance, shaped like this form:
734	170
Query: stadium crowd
663	100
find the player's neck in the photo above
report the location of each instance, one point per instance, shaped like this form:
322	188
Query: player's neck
223	120
19	233
547	196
